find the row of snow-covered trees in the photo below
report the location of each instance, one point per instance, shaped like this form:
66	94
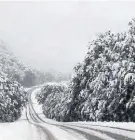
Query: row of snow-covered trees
55	100
103	85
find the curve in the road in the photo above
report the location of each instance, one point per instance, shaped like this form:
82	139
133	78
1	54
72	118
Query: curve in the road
90	133
65	128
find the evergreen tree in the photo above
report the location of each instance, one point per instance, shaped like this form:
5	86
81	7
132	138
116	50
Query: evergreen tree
99	90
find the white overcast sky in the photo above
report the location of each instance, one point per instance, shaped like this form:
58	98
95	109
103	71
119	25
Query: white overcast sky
54	35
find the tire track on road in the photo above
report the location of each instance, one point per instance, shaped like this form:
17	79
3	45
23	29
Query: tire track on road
36	121
65	128
82	129
118	136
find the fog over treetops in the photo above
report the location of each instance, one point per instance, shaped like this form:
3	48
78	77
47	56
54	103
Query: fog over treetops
54	35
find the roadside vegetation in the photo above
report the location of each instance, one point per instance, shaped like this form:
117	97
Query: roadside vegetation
14	75
12	99
55	100
103	85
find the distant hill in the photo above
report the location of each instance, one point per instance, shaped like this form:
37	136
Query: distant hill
10	65
27	76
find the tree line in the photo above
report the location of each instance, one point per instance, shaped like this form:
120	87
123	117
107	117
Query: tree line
103	85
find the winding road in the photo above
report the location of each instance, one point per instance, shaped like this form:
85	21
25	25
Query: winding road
52	130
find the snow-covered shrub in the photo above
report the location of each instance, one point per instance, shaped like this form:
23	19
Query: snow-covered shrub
12	99
103	86
56	101
49	88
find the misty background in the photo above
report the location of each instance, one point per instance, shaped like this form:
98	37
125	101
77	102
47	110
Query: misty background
54	35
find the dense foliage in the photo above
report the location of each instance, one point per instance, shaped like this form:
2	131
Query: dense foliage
12	95
55	100
103	85
12	99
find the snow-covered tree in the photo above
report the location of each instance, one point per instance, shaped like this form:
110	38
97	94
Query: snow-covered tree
103	84
12	99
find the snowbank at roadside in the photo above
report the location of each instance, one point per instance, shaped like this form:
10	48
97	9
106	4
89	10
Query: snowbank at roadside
20	130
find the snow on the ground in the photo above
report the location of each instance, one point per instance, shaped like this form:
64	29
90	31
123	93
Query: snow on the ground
20	130
124	125
36	106
94	133
124	133
61	134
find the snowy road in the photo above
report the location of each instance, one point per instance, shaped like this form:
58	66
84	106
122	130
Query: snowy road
52	130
